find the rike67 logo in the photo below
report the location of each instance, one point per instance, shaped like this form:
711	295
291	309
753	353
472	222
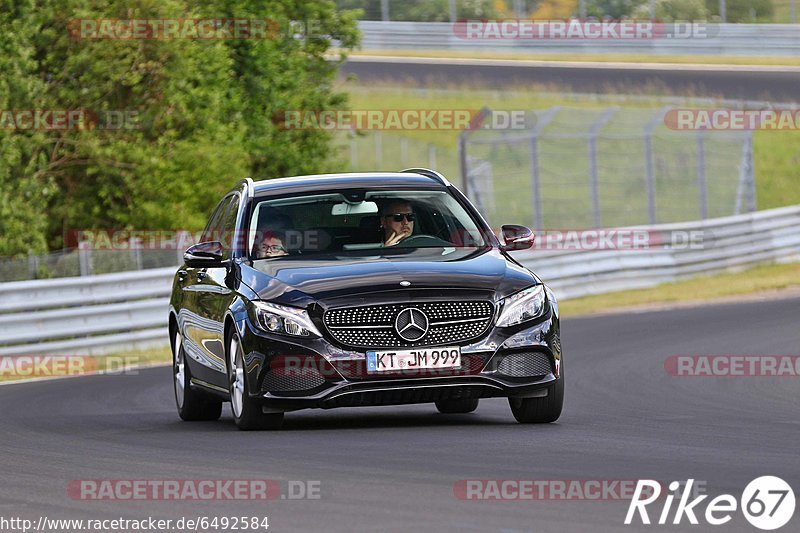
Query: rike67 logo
767	502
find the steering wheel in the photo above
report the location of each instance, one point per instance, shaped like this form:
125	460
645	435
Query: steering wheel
423	240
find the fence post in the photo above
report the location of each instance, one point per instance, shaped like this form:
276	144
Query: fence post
85	259
134	245
702	187
547	117
462	147
649	130
353	153
462	161
751	174
594	184
33	265
403	151
378	150
432	156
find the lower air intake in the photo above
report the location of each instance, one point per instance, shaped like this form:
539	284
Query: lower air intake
525	364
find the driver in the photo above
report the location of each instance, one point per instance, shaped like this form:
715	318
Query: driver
397	221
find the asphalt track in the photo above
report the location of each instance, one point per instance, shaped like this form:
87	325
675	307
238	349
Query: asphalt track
774	84
394	468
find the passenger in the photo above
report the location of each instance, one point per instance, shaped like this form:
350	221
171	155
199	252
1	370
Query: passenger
397	221
270	245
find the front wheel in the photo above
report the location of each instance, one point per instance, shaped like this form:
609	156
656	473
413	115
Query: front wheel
246	411
191	405
540	410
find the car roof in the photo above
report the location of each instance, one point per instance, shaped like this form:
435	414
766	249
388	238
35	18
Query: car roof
348	180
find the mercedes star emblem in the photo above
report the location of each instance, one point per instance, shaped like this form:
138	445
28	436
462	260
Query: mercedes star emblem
411	324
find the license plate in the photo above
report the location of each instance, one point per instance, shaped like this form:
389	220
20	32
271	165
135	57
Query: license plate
385	361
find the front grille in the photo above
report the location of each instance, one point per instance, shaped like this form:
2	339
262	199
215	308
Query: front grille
302	379
525	364
374	326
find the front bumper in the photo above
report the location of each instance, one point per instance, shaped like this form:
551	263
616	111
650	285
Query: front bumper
284	374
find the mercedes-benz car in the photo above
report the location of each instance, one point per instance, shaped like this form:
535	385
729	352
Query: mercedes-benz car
359	289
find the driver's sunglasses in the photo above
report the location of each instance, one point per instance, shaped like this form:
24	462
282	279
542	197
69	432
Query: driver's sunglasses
398	217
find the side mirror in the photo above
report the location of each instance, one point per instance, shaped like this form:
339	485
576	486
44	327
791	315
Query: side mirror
204	255
517	237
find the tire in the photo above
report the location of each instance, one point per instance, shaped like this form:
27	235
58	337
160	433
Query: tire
246	411
452	407
540	410
192	406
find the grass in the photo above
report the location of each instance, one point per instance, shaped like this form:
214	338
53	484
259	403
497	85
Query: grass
43	366
776	153
702	289
595	58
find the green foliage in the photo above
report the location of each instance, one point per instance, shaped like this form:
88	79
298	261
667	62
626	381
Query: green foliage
425	10
743	10
202	113
675	10
614	9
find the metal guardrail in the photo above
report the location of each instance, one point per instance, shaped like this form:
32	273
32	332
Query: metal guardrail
720	39
125	311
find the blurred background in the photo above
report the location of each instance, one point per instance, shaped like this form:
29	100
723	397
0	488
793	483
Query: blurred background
170	122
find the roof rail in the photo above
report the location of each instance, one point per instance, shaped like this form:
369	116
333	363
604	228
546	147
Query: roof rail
429	173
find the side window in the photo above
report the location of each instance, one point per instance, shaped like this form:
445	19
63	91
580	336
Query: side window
228	223
212	231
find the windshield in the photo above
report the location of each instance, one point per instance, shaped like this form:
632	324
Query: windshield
356	220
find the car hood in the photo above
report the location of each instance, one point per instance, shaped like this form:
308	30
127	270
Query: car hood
331	279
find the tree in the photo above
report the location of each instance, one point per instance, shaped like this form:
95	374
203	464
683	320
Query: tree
556	9
743	10
614	9
675	10
201	113
427	10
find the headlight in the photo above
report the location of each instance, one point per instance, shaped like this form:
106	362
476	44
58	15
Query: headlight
275	318
525	305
